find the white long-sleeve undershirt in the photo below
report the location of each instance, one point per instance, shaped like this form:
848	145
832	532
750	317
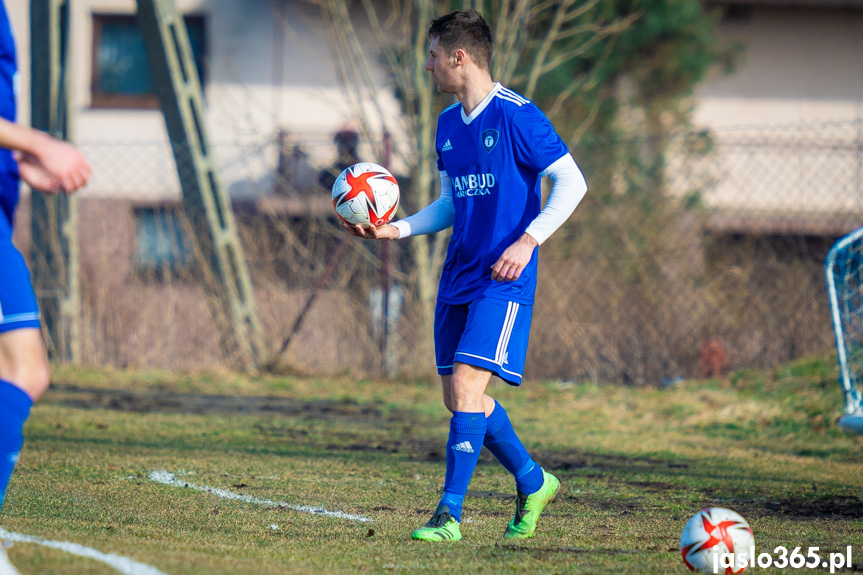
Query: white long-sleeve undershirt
437	216
567	190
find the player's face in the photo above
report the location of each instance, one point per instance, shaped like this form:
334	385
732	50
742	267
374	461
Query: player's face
442	67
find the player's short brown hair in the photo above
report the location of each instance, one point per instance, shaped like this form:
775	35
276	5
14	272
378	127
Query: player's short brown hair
466	30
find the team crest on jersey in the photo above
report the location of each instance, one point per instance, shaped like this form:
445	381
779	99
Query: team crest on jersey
489	139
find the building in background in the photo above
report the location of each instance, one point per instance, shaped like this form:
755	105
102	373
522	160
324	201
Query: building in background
274	105
787	124
265	66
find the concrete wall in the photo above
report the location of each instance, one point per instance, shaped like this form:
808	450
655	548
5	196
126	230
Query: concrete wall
800	65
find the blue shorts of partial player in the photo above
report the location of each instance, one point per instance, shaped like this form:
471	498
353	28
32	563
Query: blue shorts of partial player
18	306
488	333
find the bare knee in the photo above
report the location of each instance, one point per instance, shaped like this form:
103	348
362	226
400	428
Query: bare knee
34	378
462	395
468	388
23	361
37	380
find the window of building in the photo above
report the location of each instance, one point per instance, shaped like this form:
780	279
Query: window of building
121	69
161	247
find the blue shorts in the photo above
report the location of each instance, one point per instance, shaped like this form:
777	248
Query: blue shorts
18	306
487	332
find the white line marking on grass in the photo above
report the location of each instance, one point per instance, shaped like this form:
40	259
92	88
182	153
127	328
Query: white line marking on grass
122	564
167	478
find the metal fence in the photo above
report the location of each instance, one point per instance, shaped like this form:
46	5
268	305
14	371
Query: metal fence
711	264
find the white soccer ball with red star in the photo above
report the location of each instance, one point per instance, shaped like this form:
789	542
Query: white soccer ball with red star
365	194
711	536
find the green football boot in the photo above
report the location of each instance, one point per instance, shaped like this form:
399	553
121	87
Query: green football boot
529	507
441	527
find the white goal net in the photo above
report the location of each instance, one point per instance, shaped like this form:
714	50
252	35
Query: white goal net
844	268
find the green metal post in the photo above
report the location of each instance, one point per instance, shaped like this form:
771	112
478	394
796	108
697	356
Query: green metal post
208	209
54	218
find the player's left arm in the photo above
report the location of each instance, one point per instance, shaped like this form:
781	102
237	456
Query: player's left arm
568	188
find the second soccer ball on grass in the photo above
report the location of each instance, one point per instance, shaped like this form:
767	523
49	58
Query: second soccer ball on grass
717	540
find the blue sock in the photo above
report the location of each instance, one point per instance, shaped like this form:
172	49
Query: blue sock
15	407
501	440
466	432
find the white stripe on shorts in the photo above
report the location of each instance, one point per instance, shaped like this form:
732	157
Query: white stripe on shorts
506	332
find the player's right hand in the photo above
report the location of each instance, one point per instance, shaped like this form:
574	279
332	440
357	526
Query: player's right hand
385	232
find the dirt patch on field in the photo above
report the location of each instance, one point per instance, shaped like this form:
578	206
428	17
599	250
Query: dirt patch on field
203	404
569	460
592	465
849	507
154	401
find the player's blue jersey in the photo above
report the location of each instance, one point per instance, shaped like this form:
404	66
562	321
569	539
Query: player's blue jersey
494	158
8	79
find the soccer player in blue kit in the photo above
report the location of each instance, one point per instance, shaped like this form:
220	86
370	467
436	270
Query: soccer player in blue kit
46	164
493	148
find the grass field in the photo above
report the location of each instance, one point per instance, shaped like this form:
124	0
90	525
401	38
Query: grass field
634	464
